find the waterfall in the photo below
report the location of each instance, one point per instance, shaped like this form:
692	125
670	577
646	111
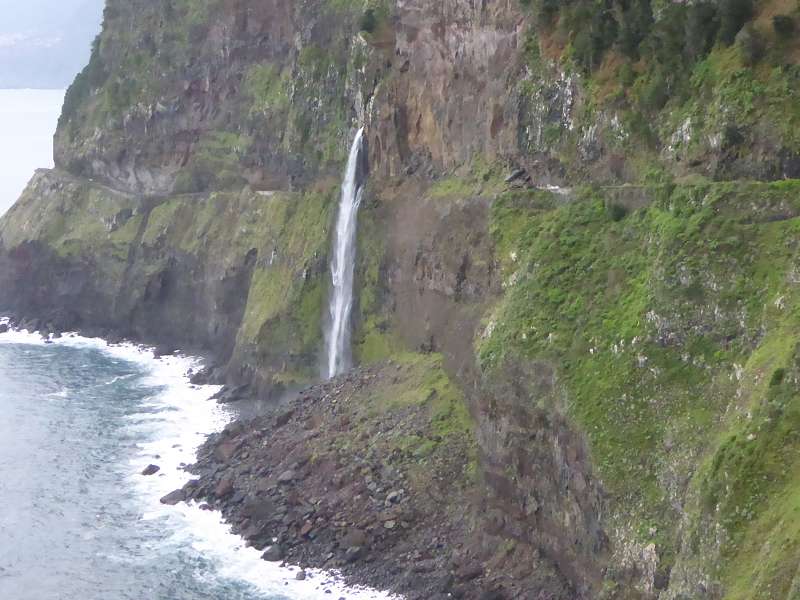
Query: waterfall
343	257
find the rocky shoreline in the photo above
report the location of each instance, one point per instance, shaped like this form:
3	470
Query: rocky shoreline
319	484
346	477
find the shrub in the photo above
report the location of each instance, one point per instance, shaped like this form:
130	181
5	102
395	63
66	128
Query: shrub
635	25
92	77
369	21
702	25
777	378
733	15
732	136
655	92
616	212
783	25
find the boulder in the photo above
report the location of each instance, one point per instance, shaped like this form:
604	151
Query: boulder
286	477
354	537
225	451
353	554
258	509
150	470
469	572
224	488
273	554
174	497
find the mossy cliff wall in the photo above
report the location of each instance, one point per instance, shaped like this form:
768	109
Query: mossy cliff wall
625	346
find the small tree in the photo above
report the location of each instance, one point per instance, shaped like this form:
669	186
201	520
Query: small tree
733	15
369	22
702	24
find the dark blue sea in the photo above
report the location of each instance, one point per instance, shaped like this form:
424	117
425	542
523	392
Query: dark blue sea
79	420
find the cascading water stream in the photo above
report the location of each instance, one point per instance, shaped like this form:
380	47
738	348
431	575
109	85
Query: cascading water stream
343	258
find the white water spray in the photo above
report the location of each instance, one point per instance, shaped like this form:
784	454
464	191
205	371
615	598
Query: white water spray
343	262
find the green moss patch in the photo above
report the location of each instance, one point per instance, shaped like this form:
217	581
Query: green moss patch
647	317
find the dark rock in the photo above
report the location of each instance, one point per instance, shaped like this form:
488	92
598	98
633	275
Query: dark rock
234	429
354	537
273	554
283	418
163	350
301	575
306	529
286	477
228	395
353	553
3	327
151	470
661	580
224	488
258	508
174	497
204	376
517	174
225	451
469	572
394	497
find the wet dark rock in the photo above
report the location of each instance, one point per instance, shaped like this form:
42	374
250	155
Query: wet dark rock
4	328
174	497
228	395
301	576
274	553
151	470
164	350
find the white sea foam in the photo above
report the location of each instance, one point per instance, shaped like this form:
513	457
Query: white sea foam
182	416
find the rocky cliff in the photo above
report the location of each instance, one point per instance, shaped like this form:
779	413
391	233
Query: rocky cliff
578	248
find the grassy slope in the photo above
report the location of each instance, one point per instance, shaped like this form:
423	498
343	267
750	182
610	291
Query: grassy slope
667	325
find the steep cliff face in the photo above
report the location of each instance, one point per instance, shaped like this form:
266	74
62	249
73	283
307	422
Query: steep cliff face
624	347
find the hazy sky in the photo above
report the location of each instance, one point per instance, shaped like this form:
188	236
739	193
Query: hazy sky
44	43
27	121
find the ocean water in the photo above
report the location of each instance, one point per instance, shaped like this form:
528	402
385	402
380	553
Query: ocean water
28	121
79	420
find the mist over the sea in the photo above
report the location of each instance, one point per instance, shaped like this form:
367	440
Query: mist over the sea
28	121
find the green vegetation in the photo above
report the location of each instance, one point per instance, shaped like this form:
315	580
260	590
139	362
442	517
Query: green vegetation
215	163
369	22
92	77
595	28
621	307
422	384
373	339
479	177
657	69
267	88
